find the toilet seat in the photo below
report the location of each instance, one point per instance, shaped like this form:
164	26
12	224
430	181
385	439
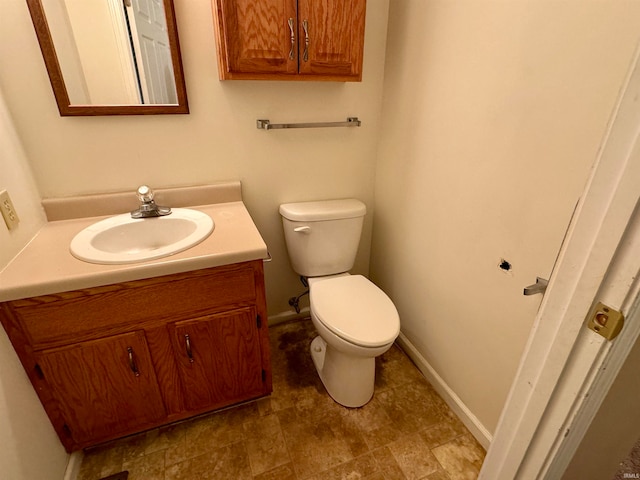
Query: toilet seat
356	310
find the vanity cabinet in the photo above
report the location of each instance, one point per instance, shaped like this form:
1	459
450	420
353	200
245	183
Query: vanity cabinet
290	39
219	358
119	359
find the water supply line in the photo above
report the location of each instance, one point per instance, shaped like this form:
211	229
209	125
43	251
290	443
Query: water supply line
295	301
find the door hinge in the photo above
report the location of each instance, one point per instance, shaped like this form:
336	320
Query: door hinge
259	321
605	321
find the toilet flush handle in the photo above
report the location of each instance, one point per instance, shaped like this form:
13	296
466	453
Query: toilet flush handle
303	229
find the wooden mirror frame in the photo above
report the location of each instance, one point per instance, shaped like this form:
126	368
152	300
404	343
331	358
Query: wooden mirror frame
60	90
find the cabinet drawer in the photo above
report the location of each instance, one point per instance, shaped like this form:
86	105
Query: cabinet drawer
81	315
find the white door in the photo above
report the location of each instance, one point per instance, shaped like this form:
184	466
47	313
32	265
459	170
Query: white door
567	369
153	53
615	429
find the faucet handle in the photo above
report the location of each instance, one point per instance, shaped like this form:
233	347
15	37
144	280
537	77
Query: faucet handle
145	194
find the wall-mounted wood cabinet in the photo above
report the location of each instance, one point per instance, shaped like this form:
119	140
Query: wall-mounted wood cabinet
290	39
119	359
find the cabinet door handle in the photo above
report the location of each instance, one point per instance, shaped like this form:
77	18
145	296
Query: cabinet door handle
132	362
187	344
305	55
293	39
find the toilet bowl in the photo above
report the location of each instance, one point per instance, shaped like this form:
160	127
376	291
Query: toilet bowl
356	322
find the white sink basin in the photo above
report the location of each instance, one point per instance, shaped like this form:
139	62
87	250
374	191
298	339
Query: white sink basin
122	239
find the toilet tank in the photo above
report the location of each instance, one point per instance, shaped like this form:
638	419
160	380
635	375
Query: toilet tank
322	237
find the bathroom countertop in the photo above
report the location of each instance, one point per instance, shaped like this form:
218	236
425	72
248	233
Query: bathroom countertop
46	266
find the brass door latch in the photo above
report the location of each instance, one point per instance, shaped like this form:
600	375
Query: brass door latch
605	321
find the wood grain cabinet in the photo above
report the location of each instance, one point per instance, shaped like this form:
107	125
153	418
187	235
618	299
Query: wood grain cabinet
219	358
103	386
118	359
290	39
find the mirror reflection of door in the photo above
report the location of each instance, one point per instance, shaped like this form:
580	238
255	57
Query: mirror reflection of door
151	51
113	52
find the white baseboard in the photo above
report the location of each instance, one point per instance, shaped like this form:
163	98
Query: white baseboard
73	465
448	395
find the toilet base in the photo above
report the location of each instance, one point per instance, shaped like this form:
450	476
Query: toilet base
348	379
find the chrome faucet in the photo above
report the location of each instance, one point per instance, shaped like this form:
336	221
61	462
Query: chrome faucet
148	207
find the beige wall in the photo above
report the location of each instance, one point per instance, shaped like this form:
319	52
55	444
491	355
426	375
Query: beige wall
217	141
30	447
16	177
493	113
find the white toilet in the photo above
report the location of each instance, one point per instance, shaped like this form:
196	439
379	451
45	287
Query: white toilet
355	319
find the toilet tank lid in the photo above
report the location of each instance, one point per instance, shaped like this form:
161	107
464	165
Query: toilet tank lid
323	210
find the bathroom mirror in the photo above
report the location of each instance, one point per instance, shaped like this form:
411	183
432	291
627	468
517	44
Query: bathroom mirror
111	57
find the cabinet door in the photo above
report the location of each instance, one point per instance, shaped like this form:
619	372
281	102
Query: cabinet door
331	36
104	387
219	358
259	36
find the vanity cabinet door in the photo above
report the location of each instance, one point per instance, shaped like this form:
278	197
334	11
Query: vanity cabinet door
219	358
103	387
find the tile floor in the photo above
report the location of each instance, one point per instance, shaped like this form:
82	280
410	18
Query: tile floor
405	432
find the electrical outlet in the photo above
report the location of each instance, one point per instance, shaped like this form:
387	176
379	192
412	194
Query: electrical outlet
8	211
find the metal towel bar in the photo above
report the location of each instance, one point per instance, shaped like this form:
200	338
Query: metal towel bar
266	125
